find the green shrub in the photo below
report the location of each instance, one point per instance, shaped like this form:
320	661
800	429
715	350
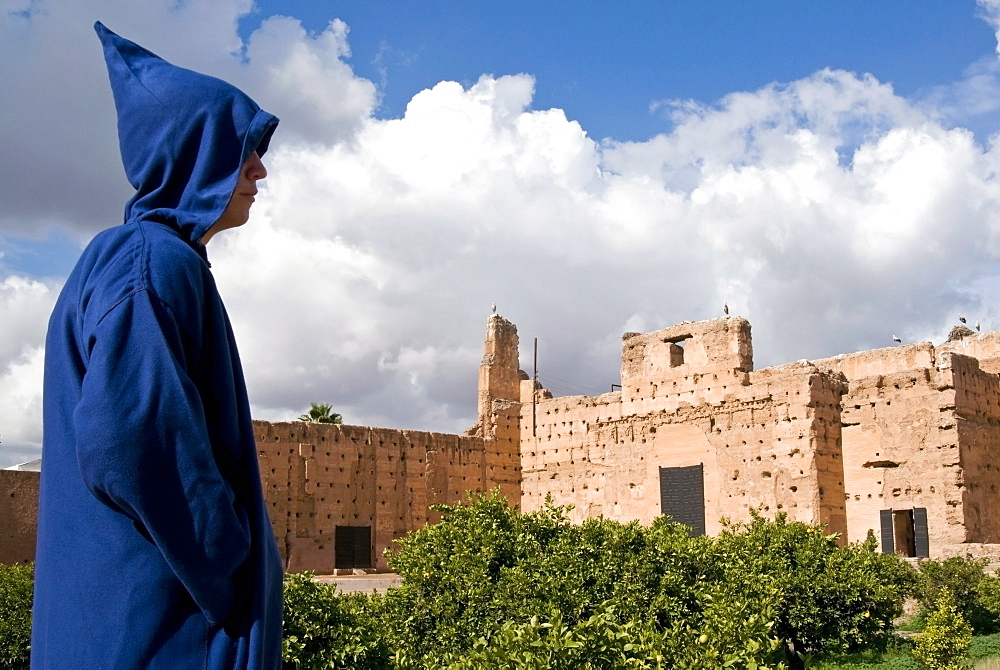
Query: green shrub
485	564
490	587
457	576
599	642
946	639
972	590
755	584
831	599
603	641
16	587
325	630
988	599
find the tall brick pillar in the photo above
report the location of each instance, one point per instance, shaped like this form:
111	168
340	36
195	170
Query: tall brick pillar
499	378
500	409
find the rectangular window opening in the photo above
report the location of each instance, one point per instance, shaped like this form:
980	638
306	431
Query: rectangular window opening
676	345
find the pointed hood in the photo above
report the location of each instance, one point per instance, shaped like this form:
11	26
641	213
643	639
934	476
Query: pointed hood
183	135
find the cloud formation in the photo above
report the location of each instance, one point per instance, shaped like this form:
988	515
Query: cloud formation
830	211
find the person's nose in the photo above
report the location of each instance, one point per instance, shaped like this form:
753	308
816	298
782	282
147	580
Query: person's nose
257	170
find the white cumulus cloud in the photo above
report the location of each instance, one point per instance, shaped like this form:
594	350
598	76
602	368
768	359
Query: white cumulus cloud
24	311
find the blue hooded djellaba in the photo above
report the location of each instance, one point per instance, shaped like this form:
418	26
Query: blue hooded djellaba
154	545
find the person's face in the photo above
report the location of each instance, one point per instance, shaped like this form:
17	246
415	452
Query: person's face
237	212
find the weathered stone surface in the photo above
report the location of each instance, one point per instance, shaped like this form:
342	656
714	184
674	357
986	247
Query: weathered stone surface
319	476
18	515
767	440
832	441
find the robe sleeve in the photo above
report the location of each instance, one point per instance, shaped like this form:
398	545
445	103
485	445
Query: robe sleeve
143	449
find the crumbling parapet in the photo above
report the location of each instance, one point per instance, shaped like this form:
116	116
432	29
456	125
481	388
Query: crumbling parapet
659	362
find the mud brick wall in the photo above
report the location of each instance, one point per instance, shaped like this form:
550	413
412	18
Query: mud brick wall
985	347
901	441
977	433
832	441
18	515
320	476
766	440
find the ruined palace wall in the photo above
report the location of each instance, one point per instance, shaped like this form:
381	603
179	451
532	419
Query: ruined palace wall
977	433
769	440
900	441
885	361
985	347
320	476
683	362
499	375
18	515
566	459
502	457
799	465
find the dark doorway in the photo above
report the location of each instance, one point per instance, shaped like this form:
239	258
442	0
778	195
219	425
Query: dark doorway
904	532
682	496
353	547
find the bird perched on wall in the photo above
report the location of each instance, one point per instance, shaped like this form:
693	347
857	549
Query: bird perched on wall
961	318
725	308
977	326
896	339
494	308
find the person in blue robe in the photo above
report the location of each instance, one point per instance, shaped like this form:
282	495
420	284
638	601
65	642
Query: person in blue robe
154	545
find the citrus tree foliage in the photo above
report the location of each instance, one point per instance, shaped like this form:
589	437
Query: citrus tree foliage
975	594
325	630
16	586
988	598
488	582
946	639
827	599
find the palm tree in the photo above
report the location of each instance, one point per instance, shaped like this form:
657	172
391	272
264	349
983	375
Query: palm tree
321	413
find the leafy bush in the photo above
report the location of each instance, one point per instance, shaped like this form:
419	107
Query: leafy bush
988	598
656	590
16	587
601	641
604	641
975	594
491	583
945	641
831	599
325	630
552	581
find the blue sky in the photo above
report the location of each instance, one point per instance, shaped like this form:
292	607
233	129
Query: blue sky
607	63
828	169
